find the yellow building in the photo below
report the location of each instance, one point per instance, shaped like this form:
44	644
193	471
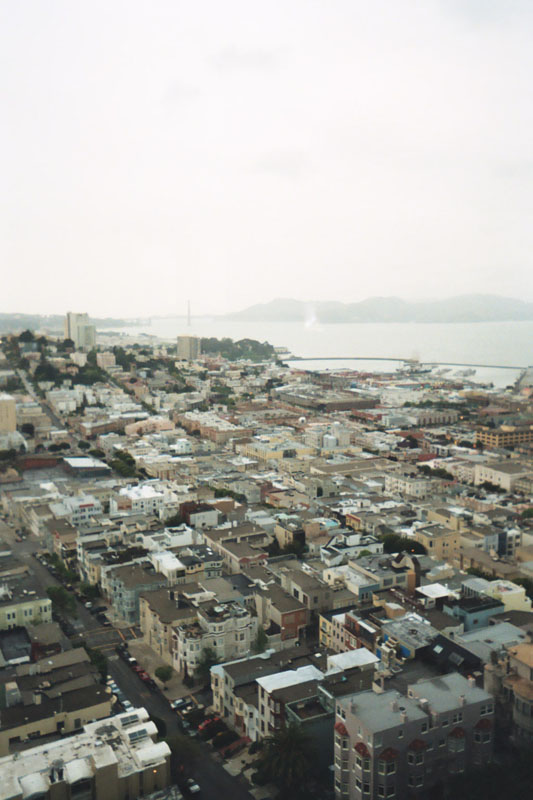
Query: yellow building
441	543
8	414
22	607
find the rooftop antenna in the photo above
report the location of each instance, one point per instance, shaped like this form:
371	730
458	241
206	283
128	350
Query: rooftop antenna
188	313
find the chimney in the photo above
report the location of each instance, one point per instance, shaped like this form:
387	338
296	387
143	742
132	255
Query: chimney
462	700
471	681
37	698
394	705
403	716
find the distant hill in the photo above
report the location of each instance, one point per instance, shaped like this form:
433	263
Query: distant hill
14	323
463	308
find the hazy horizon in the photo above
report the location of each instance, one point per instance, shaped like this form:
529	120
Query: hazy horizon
230	154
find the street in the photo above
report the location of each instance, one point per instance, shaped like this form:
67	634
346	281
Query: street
214	780
57	423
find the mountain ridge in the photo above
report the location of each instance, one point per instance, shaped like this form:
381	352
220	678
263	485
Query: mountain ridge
460	308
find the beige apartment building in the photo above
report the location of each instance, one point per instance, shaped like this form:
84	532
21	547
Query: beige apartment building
440	543
189	348
8	414
159	613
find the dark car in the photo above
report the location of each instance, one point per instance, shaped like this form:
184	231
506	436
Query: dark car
103	620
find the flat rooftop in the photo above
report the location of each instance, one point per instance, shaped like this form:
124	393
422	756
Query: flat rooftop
126	741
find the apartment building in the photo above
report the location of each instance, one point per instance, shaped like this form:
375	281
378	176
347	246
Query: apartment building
141	499
211	426
124	584
160	612
54	697
504	474
189	348
105	360
8	414
22	605
283	617
505	436
227	629
111	759
406	485
79	329
510	681
390	745
77	510
440	543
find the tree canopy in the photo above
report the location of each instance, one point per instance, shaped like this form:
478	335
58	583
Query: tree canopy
208	659
288	760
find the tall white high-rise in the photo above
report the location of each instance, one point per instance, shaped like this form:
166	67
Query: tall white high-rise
80	330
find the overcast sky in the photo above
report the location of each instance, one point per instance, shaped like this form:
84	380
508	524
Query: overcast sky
233	151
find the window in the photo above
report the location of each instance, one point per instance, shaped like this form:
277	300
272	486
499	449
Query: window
456	745
381	791
400	734
390	791
445	723
366	788
424	728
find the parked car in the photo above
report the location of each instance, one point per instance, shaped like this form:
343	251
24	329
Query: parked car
103	620
144	676
192	786
234	747
88	604
211	731
193	707
176	704
207	722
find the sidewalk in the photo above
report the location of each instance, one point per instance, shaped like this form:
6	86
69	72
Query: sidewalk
150	661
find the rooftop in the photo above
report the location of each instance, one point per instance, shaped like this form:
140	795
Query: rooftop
127	741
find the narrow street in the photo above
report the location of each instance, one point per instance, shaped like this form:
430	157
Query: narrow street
212	778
